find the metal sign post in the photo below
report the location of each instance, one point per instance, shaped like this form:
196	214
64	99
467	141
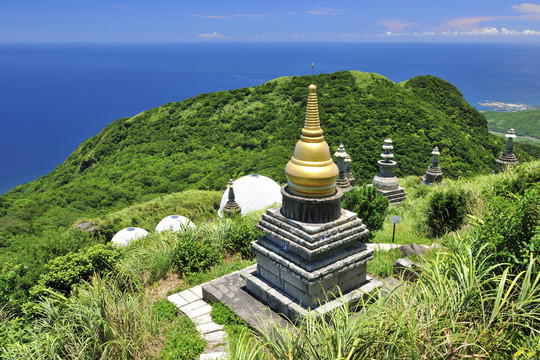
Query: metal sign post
394	220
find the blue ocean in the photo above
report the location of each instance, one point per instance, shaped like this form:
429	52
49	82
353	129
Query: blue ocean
54	96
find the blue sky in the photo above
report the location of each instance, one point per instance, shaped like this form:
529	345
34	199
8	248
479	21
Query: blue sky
214	20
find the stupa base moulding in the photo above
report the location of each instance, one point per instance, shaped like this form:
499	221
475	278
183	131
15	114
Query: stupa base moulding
284	304
394	196
309	265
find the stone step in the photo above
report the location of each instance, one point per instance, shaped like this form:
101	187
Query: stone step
322	261
288	242
312	233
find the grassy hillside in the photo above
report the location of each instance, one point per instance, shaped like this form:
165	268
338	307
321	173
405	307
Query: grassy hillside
200	142
526	123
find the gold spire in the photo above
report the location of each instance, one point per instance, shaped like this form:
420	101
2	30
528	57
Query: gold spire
311	171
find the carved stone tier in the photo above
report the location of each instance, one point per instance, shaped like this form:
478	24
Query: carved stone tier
344	184
506	160
394	196
310	263
432	175
311	209
386	180
351	178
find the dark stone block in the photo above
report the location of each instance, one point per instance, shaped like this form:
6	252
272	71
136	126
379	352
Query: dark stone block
311	210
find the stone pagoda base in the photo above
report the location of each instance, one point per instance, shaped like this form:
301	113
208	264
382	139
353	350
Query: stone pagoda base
394	196
432	175
506	160
308	263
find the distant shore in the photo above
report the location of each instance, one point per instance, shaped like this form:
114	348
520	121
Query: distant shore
508	107
518	136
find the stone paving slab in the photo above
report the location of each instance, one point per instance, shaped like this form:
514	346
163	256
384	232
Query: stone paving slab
209	327
177	300
186	309
212	356
189	295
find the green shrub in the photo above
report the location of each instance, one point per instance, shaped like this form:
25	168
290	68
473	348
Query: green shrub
512	224
243	233
194	254
183	341
165	310
370	206
446	211
63	272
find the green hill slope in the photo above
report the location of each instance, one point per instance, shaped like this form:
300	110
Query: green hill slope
526	123
200	142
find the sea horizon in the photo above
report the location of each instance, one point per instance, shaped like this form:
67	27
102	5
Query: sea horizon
56	95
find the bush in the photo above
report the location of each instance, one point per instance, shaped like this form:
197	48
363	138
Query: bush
63	272
193	254
165	310
243	233
370	206
512	224
446	211
183	341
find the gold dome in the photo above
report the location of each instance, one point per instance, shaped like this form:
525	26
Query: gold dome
311	171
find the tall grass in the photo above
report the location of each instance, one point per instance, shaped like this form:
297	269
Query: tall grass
457	309
97	322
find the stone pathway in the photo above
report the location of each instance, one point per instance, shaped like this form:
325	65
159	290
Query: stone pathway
191	303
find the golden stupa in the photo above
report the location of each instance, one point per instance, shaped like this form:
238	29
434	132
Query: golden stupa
311	171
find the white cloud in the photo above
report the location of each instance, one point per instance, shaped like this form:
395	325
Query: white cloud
396	25
324	11
213	35
487	31
466	23
528	8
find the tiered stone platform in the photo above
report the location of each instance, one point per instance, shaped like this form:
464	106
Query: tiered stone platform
506	160
309	264
394	196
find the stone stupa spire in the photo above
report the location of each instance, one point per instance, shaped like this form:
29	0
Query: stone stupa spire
311	171
342	180
508	159
385	181
434	172
231	207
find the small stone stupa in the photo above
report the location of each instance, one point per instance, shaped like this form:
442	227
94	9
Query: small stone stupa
386	182
348	173
433	173
342	180
231	207
508	159
311	251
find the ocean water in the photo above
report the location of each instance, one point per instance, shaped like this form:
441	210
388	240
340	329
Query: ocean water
54	96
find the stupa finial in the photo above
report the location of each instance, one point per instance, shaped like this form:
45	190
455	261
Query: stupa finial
312	131
311	171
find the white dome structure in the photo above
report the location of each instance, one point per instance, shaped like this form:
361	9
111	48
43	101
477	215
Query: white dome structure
174	223
253	192
127	235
